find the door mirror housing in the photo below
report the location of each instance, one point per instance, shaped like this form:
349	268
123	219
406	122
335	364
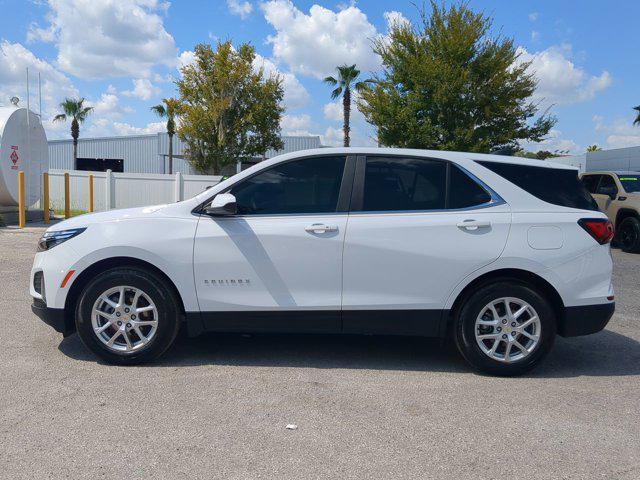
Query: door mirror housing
223	204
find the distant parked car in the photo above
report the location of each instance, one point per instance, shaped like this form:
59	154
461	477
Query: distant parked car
618	195
499	253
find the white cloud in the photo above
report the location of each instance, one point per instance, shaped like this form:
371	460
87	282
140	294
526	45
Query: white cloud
143	89
555	142
108	38
395	18
35	33
333	111
332	137
239	8
103	127
314	44
127	129
560	81
535	35
296	124
14	60
619	134
107	112
533	16
295	95
362	134
186	58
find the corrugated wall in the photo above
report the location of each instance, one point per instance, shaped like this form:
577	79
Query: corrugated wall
139	152
294	144
617	159
147	153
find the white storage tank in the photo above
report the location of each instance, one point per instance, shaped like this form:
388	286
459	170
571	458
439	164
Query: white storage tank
23	147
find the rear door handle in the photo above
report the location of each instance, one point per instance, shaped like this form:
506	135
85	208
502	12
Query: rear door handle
474	224
321	228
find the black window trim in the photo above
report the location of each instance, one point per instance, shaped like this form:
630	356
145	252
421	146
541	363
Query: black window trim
357	199
344	195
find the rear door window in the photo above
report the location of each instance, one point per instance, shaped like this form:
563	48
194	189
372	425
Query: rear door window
404	184
557	186
607	186
418	184
464	192
590	182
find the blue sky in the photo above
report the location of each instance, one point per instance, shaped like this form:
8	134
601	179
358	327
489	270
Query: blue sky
123	56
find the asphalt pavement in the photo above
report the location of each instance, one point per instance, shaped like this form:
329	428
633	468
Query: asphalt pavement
365	407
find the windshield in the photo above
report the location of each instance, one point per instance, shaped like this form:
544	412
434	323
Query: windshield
631	183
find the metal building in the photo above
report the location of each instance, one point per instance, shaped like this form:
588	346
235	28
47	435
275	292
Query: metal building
616	159
142	153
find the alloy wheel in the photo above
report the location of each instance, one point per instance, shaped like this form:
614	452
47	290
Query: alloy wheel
124	318
508	329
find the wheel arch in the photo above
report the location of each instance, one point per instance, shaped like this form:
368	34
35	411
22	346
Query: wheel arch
624	213
511	274
105	264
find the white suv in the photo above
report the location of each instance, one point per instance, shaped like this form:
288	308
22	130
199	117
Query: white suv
500	253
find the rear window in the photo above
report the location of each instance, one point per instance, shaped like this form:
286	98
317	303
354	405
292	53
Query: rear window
631	183
553	185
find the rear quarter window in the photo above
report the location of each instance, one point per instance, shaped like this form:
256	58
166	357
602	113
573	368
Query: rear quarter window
553	185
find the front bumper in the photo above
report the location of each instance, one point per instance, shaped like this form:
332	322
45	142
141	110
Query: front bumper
585	320
54	317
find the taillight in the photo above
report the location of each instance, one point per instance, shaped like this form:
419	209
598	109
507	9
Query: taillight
599	228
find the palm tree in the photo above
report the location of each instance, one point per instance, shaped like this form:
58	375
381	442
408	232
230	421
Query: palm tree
74	108
346	81
637	120
593	148
168	109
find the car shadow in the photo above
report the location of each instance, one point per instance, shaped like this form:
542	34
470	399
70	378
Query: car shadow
604	354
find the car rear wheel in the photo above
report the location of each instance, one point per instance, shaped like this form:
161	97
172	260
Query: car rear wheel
505	328
127	316
628	236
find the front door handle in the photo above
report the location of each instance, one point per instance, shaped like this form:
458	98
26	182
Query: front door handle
321	228
474	224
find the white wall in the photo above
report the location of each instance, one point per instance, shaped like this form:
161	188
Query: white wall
124	190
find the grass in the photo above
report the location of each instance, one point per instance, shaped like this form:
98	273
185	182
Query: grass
59	212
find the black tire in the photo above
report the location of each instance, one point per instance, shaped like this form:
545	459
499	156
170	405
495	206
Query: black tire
465	327
156	288
628	235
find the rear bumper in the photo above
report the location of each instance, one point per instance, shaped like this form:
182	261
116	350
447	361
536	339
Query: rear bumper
586	319
54	317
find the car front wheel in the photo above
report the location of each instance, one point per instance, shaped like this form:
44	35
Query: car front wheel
505	328
127	316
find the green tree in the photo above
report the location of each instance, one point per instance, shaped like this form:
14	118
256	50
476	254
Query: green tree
449	85
637	120
168	109
593	148
74	109
228	109
344	84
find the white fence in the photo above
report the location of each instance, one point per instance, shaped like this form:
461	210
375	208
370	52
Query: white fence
123	190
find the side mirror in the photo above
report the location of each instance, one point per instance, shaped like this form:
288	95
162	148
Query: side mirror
223	204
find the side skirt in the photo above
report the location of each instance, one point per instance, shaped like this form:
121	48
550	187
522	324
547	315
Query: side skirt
427	323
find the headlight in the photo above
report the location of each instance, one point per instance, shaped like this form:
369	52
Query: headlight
51	239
